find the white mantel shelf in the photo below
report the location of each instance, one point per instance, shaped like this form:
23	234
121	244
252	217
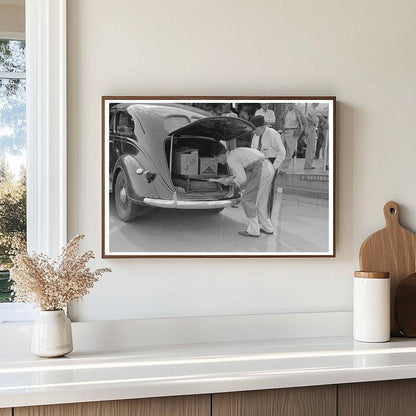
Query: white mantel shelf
151	371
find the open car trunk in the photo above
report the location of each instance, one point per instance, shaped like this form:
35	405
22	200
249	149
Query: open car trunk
189	150
192	167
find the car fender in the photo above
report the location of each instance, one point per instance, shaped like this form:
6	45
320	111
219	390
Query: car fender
138	187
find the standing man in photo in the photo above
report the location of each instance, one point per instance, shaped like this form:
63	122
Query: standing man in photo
243	111
253	173
216	109
310	132
268	142
229	111
321	139
323	117
293	126
269	116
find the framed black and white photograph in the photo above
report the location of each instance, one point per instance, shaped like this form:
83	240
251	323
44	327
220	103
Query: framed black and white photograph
218	176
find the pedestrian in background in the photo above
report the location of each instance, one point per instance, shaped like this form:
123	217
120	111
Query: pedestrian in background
216	109
323	116
293	126
269	116
244	111
310	133
268	142
229	111
321	137
253	172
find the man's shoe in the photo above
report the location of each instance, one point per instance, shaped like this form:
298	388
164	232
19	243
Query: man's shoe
266	232
246	234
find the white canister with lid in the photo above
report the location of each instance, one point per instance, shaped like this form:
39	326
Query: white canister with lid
371	314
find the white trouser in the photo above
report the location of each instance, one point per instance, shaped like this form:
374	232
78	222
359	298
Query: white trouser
262	220
310	146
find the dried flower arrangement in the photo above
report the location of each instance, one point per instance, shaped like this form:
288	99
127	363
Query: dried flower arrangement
53	285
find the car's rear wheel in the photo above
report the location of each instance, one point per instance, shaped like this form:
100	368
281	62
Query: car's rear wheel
126	210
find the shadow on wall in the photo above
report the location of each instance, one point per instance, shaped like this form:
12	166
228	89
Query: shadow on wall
344	177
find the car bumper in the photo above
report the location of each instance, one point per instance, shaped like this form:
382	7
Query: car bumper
172	203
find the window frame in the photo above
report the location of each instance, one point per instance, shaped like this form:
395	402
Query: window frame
12	36
46	125
46	135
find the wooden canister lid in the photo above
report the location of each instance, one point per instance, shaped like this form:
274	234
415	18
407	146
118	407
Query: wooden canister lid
372	275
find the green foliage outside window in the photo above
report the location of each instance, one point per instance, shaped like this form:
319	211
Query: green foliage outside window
12	147
12	223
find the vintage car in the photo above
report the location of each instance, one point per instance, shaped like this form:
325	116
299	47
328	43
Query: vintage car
143	142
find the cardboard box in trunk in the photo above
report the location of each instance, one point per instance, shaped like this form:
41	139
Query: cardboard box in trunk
185	161
208	166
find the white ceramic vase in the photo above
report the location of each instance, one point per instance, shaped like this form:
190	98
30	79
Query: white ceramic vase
52	334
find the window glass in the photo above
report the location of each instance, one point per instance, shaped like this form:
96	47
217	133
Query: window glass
111	122
175	122
12	56
124	123
12	156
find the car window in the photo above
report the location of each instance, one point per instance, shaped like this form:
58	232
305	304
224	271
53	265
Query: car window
173	123
124	123
111	122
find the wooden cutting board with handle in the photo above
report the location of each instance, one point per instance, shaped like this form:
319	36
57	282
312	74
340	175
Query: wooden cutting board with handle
393	250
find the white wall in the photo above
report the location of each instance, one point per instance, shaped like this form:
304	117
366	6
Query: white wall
363	52
12	18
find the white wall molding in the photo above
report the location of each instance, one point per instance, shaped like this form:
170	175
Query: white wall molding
46	124
192	330
12	35
202	329
13	313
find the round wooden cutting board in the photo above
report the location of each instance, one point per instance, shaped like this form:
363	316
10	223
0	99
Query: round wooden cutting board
393	250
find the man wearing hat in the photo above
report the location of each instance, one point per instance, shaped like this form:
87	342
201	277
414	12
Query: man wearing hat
268	142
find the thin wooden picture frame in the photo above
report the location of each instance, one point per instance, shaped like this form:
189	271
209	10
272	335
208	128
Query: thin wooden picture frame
160	231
